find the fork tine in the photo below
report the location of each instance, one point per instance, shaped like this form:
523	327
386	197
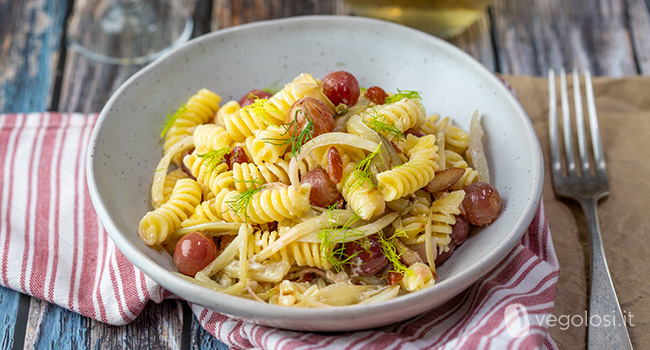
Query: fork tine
566	124
552	123
599	157
580	123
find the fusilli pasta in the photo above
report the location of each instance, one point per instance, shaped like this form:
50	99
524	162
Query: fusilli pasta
199	109
158	224
293	219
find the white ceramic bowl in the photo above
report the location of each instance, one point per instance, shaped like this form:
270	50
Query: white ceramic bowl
126	145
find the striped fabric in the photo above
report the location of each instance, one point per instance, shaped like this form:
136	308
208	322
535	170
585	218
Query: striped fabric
54	248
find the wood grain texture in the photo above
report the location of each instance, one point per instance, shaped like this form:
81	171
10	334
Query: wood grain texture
29	54
532	36
157	327
87	85
228	13
9	302
52	327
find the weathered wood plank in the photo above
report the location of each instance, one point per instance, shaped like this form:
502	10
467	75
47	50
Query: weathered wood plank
157	327
87	84
52	327
202	17
31	33
638	12
9	301
227	13
531	36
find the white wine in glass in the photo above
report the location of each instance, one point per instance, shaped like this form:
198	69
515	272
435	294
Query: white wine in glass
443	18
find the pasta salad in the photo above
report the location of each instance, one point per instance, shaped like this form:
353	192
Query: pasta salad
320	194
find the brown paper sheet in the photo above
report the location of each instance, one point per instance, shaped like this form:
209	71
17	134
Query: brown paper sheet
623	106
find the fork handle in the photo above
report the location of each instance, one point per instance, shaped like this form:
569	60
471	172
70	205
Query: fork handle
606	324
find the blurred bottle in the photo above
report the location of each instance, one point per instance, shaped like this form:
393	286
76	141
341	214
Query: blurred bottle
443	18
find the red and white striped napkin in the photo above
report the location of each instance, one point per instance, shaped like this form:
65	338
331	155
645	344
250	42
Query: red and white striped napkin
53	247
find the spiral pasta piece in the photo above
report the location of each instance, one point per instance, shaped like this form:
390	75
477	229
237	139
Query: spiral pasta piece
304	85
362	197
203	213
227	111
204	171
412	175
244	176
220	181
203	104
268	145
214	209
295	253
456	139
246	121
443	216
170	182
421	147
248	175
208	137
412	227
278	204
406	179
157	225
267	204
198	110
403	114
430	125
469	177
221	207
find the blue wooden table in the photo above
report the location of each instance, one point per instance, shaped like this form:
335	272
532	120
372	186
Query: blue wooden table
39	73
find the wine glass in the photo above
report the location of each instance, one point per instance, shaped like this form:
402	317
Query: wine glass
129	31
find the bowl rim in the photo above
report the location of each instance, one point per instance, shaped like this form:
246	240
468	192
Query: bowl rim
241	307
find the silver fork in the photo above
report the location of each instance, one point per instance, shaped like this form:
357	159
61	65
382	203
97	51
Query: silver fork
585	181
